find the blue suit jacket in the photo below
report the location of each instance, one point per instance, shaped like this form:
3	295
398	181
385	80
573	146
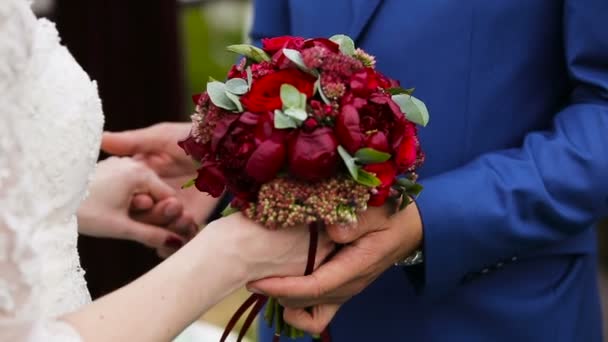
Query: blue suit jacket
517	162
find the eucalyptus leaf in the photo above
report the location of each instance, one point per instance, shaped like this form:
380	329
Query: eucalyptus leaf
346	43
370	156
229	210
236	100
249	76
296	57
189	183
302	101
282	121
367	179
217	94
249	51
414	109
320	90
290	96
349	161
237	86
296	113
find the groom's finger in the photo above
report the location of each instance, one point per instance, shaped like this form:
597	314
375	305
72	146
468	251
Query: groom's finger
314	322
161	213
132	142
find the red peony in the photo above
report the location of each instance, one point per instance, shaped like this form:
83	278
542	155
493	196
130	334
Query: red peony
193	148
265	94
348	129
266	161
313	156
211	179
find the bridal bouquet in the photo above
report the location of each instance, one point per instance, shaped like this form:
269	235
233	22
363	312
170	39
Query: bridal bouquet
305	131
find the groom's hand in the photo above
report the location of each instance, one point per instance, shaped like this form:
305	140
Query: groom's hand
374	245
156	146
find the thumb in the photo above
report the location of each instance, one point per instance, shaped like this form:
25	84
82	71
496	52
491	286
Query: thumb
132	142
344	234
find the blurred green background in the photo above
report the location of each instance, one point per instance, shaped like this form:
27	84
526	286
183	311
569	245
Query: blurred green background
207	29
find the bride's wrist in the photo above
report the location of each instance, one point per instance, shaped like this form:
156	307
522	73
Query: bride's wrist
222	242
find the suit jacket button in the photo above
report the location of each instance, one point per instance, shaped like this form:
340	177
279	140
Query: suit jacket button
513	259
499	265
485	271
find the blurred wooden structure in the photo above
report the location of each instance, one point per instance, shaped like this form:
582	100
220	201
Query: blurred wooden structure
132	50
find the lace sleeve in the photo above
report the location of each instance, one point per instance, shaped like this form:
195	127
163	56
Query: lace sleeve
20	319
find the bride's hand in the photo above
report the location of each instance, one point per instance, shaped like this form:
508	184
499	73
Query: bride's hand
156	146
105	213
256	252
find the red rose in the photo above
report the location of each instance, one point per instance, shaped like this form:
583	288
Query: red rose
266	161
407	153
193	148
265	93
211	179
386	173
348	129
313	155
272	45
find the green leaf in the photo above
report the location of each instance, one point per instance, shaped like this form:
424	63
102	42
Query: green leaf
347	45
249	51
367	179
399	90
229	210
349	161
189	183
296	57
410	187
211	79
371	156
290	96
415	190
318	88
217	94
249	76
236	100
405	201
405	182
296	113
282	121
237	86
414	109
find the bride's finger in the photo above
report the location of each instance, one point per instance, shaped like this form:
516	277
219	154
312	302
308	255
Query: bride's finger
152	236
162	213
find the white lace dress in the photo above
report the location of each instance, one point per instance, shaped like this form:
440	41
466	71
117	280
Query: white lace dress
50	128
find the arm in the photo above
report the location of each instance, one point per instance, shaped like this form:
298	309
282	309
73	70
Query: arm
221	259
553	187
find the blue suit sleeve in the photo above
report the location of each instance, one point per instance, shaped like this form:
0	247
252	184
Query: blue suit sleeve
271	19
554	186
